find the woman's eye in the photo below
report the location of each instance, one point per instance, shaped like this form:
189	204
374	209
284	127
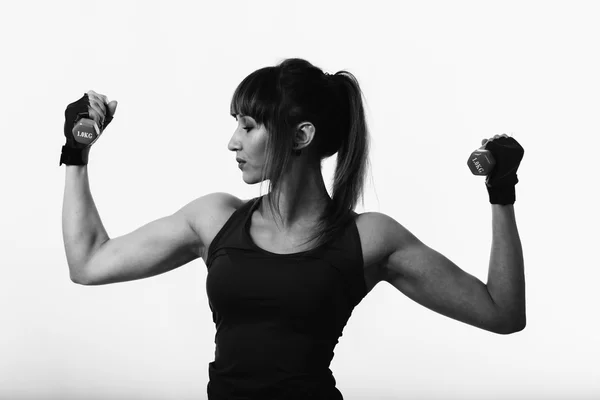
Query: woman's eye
247	129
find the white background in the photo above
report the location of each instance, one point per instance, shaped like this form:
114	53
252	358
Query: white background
438	77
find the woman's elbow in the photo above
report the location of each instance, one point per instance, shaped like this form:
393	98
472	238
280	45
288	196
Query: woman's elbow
513	326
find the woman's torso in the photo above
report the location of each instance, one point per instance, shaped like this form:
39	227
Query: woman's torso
266	237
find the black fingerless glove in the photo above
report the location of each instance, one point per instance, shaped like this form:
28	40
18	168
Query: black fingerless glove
74	152
500	183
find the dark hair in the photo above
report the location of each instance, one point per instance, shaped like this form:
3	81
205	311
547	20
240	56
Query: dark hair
280	97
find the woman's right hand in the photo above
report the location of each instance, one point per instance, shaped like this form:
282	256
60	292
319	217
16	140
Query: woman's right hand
94	107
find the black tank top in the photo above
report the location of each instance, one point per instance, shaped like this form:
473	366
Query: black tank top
278	317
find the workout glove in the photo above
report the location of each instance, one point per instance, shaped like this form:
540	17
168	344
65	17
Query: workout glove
500	183
73	152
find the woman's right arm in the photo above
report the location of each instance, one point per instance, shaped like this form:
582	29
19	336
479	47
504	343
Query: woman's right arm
155	248
83	232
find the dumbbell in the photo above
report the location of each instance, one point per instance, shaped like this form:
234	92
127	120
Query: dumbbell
481	161
86	131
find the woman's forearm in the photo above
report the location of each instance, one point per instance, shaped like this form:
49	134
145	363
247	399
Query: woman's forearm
506	277
82	228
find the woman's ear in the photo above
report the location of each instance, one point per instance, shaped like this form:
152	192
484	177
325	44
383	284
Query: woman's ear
305	134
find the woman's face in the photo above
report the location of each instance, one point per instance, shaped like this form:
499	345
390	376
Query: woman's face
249	142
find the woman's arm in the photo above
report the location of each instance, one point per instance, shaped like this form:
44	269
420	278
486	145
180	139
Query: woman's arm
82	228
432	280
506	276
155	248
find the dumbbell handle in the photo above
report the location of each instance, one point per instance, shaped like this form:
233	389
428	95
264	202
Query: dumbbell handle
86	131
481	162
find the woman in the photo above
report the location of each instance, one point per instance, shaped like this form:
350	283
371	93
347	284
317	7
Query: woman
285	270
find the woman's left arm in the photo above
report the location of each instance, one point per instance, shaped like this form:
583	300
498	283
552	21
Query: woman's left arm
506	276
432	280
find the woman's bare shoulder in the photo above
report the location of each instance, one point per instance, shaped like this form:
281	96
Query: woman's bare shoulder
221	201
208	213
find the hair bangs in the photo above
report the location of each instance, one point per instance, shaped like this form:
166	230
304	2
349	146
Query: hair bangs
256	96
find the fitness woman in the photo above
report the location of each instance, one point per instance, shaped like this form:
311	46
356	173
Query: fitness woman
285	270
